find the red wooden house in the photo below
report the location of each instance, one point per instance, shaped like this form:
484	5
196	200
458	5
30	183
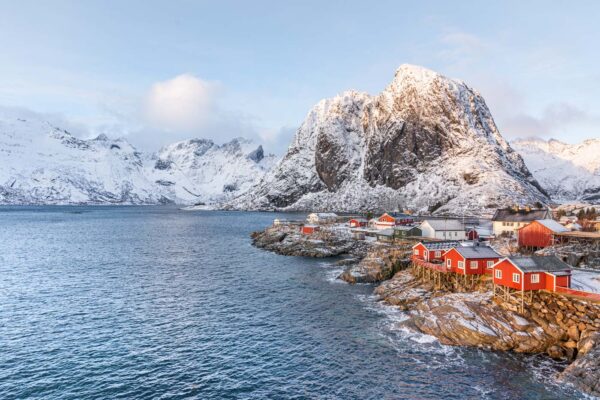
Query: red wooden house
386	221
471	260
309	229
539	233
432	251
358	223
532	273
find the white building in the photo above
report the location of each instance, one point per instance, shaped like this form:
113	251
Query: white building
321	218
448	229
508	220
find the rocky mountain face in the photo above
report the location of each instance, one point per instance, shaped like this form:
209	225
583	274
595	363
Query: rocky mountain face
42	164
427	142
567	171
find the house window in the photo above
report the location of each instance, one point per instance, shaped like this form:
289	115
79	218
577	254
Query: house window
455	233
444	234
535	278
473	264
461	264
438	254
416	252
498	274
490	264
516	278
449	263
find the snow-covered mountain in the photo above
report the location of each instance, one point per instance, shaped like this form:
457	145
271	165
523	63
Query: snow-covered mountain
42	164
426	142
567	171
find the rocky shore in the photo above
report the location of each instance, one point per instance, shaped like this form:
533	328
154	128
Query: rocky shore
380	263
563	328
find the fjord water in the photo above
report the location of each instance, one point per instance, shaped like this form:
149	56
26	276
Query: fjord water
154	302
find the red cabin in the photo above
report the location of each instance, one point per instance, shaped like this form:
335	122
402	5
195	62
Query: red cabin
358	223
539	233
432	251
309	229
532	273
471	260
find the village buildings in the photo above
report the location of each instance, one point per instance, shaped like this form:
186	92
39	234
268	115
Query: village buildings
310	229
433	251
506	221
358	222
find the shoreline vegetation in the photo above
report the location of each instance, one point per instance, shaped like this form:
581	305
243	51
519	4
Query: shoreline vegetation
459	314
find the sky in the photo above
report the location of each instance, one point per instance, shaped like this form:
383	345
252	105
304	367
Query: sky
161	71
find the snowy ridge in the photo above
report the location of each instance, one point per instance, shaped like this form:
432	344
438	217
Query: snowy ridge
42	164
567	171
427	142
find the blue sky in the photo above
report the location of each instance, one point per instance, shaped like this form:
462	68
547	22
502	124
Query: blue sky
163	71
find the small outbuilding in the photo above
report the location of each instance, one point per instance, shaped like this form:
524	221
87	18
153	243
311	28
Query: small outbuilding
385	235
310	229
402	231
358	222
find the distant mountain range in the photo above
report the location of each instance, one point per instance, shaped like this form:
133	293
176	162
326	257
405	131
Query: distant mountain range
43	164
427	142
566	171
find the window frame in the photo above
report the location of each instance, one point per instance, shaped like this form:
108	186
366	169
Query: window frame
473	264
534	278
516	277
498	274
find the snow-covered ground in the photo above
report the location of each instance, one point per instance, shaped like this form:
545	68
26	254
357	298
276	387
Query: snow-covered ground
586	280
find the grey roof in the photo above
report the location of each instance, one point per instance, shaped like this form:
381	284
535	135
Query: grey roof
405	227
358	219
448	244
507	214
386	232
540	263
552	225
477	252
445	224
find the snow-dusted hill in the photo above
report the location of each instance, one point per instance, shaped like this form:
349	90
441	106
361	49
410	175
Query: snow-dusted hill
566	171
42	164
426	142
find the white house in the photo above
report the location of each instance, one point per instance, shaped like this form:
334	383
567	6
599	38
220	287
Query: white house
448	229
321	218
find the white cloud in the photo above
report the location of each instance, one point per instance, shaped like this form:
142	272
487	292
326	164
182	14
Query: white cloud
182	104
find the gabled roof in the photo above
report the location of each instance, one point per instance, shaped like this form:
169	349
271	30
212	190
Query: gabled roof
405	227
552	225
477	252
445	245
507	214
540	264
445	224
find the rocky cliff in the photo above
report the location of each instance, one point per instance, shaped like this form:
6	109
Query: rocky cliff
426	142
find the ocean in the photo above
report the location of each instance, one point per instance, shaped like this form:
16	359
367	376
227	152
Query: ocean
158	303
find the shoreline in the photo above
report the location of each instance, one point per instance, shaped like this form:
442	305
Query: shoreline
561	328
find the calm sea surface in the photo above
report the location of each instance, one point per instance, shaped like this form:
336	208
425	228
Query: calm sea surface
153	302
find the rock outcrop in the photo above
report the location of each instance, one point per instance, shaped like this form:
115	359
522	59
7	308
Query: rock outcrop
286	240
380	263
427	142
